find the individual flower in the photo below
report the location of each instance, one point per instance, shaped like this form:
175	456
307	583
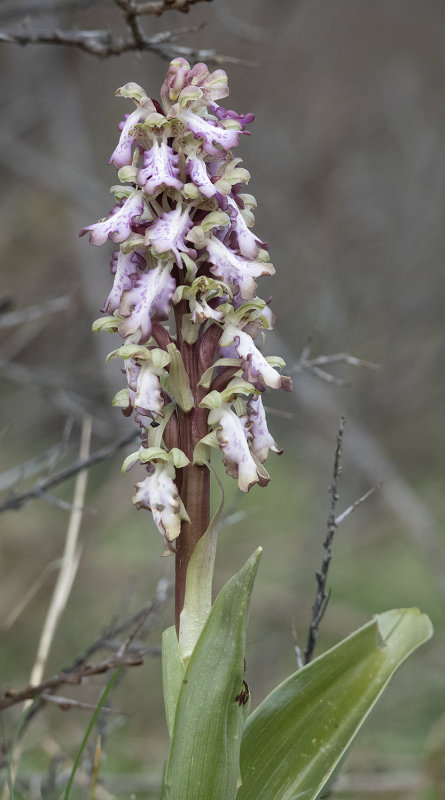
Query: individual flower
148	299
160	169
254	363
239	461
117	226
167	233
148	398
159	494
260	439
124	267
122	155
238	271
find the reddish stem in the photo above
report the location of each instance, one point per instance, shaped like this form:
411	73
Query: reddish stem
194	485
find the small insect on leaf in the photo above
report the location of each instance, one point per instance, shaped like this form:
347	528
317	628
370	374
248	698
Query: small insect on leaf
243	697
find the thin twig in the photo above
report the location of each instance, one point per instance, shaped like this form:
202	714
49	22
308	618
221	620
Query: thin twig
81	668
66	703
65	579
31	313
279	412
42	487
38	7
69	564
314	365
30	594
322	596
96	763
355	505
103	44
148	611
12	697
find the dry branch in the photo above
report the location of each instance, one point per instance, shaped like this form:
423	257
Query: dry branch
39	490
39	7
103	44
12	697
322	596
127	655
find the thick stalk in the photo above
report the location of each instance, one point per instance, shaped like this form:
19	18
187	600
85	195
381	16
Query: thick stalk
195	484
195	494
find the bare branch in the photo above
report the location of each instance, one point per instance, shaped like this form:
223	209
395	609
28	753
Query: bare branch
356	504
160	6
81	668
322	597
12	697
44	461
337	358
39	490
34	312
69	564
65	703
39	7
314	365
103	44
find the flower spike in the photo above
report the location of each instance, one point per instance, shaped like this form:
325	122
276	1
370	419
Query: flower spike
184	299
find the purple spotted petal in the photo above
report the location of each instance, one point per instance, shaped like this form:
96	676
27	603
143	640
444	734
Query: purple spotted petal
148	396
226	113
125	270
210	132
255	365
159	494
168	233
160	169
232	437
261	440
121	155
234	269
117	226
148	300
248	244
197	169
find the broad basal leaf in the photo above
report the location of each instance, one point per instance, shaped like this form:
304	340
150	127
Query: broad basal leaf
299	734
204	754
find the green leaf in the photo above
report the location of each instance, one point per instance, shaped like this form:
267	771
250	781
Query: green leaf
132	350
154	435
300	733
178	457
204	755
177	380
173	672
207	376
129	461
211	400
198	587
201	453
121	399
109	324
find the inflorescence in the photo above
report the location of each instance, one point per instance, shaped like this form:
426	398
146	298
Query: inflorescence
182	221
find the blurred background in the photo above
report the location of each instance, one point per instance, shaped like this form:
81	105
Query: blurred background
347	165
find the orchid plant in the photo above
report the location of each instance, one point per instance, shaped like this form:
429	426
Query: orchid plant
184	301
